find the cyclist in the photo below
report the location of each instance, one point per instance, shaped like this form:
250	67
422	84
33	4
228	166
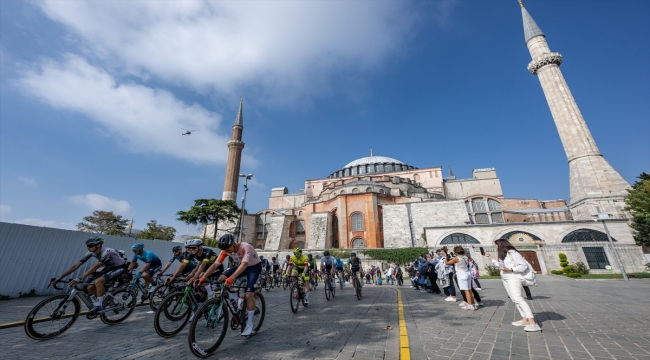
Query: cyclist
266	271
285	264
299	263
203	256
313	271
275	266
339	265
327	263
179	254
250	264
152	265
114	266
354	264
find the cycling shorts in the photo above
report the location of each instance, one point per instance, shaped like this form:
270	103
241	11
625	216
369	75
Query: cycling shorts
276	268
112	274
296	272
154	268
252	272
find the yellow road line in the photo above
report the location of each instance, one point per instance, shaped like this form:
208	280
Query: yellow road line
404	349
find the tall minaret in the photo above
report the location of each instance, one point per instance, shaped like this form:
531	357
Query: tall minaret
593	181
235	147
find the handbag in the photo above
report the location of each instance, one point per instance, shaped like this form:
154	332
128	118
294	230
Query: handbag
528	276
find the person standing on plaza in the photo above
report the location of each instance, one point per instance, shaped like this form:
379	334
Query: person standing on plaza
431	274
450	290
511	263
389	276
473	270
461	267
399	275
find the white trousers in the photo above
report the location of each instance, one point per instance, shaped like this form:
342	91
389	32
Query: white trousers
515	290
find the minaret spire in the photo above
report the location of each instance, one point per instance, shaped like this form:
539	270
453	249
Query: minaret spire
593	181
235	147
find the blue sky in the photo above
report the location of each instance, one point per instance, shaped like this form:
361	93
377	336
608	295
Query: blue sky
93	96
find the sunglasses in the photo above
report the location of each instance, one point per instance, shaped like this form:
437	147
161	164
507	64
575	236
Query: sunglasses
191	248
90	246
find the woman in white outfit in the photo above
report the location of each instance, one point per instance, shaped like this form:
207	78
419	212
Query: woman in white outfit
463	277
510	262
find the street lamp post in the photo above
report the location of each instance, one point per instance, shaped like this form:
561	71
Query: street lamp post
603	217
243	204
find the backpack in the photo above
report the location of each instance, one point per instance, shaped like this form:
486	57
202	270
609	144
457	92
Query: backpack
422	269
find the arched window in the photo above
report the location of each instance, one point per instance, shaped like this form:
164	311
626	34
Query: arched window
355	191
358	243
357	222
299	213
494	205
300	227
369	189
459	238
342	192
585	235
509	235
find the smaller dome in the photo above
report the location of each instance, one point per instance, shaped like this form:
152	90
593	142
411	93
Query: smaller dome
371	165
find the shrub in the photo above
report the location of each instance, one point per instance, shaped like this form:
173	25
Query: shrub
557	272
568	269
580	268
31	293
562	256
396	256
573	275
5	297
492	270
564	263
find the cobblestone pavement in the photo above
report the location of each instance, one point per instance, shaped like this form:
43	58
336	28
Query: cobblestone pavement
583	319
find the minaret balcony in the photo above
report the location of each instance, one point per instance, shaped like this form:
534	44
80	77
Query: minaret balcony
546	59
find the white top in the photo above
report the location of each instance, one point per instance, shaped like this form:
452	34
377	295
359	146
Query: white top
520	264
462	266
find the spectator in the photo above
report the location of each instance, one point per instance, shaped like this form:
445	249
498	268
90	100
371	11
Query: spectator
431	274
473	270
461	267
510	262
399	275
389	276
450	290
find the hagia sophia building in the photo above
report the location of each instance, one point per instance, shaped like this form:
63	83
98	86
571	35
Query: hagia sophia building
382	202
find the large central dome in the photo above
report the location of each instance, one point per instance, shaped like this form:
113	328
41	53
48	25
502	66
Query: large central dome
371	165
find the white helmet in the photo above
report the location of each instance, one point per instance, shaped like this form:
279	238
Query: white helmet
121	252
193	242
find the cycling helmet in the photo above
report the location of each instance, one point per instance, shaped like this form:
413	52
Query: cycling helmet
326	253
95	241
353	254
338	259
193	242
121	252
309	256
177	247
297	251
273	258
261	257
137	246
226	241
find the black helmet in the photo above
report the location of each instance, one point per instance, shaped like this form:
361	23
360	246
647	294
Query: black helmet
226	242
353	254
177	247
95	241
326	253
309	256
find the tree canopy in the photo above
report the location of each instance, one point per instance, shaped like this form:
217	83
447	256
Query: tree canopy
155	231
103	222
210	211
638	204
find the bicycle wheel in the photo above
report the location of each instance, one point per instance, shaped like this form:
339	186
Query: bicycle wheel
358	288
285	284
158	295
52	317
327	287
258	316
341	282
295	296
208	328
333	287
173	314
124	301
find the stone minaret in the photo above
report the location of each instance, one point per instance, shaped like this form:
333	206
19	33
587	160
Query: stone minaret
235	147
594	182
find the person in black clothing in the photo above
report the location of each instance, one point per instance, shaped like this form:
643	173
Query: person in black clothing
433	277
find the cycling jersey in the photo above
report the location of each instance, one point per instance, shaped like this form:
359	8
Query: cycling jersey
189	267
245	253
312	264
299	262
108	257
354	264
328	260
147	257
339	265
207	256
276	265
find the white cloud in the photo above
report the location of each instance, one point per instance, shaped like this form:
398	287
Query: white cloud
47	223
5	209
283	49
101	202
146	120
28	181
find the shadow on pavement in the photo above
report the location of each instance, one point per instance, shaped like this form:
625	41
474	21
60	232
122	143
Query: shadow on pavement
548	315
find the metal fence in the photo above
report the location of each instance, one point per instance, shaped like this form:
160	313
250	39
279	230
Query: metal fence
31	255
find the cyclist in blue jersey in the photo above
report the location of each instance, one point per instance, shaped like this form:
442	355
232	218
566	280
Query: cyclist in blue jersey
339	266
327	263
179	254
152	264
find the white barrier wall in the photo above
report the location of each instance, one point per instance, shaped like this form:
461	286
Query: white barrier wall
31	255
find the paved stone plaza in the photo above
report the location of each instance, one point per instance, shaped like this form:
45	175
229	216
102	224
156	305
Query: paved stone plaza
581	319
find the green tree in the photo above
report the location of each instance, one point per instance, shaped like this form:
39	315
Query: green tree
638	204
103	222
210	211
155	231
